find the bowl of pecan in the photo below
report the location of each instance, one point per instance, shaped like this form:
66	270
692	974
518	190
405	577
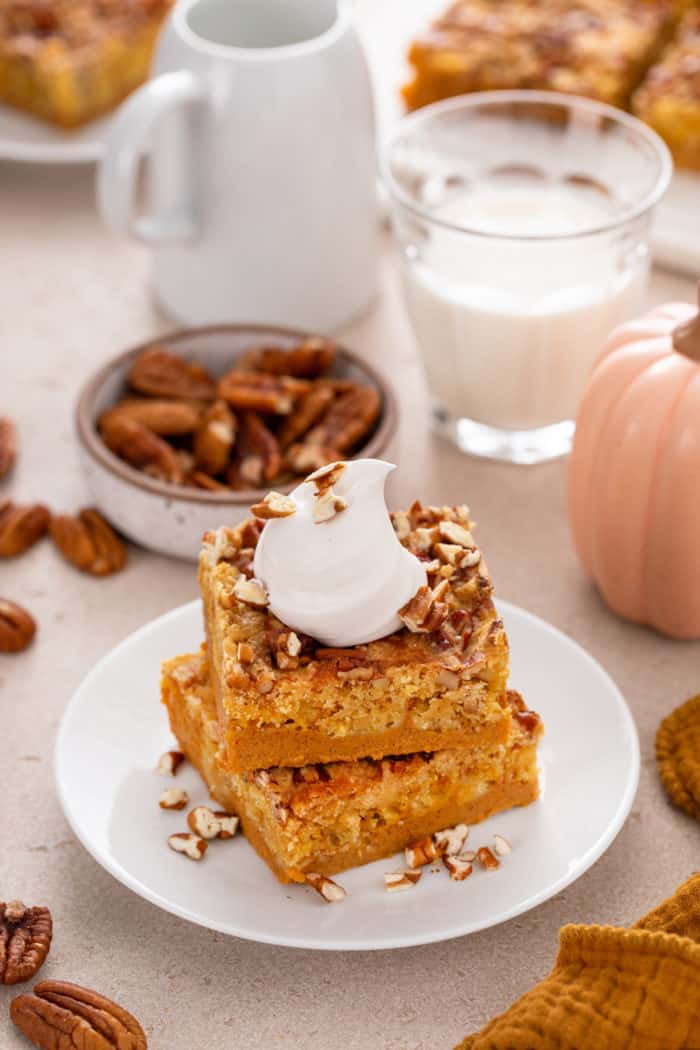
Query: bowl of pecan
185	433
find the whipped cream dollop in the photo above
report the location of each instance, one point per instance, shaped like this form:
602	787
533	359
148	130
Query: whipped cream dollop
335	568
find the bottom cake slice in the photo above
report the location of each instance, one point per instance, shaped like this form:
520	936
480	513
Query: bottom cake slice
326	818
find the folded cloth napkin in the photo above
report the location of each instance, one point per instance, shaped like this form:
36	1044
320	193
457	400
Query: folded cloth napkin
678	756
613	989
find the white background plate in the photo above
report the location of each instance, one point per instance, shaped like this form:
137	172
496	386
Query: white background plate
114	730
23	137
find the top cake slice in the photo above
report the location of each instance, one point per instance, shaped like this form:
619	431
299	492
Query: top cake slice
284	699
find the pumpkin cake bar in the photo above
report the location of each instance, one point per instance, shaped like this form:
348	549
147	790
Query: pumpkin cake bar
325	818
669	98
285	700
595	48
67	61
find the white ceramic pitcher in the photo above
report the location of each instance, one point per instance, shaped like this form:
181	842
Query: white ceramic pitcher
260	201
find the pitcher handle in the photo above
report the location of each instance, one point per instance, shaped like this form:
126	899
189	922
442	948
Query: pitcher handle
128	140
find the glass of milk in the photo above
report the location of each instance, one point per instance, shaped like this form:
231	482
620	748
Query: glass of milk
522	219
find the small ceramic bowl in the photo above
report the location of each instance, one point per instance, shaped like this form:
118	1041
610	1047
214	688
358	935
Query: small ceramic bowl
171	518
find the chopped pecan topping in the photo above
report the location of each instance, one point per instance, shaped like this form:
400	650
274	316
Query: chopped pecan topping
257	455
165	416
169	763
252	592
287	651
395	881
214	438
307	411
245	653
210	824
455	533
275	505
261	392
487	859
222	545
326	503
88	542
306	361
459	867
173	798
191	845
451	841
25	939
426	611
140	447
17	627
331	891
424	851
8	446
402	525
159	373
363	674
60	1016
21	525
348	420
501	846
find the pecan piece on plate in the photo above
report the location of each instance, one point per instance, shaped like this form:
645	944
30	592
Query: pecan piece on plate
307	411
164	416
25	939
308	360
21	525
257	454
8	445
59	1014
214	437
88	542
140	447
347	421
261	391
160	373
17	628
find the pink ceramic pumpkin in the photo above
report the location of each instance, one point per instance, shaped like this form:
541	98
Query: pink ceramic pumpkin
635	472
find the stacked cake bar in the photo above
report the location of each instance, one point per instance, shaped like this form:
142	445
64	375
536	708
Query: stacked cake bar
333	757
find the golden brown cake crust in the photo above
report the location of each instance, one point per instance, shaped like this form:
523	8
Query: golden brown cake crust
448	681
328	817
586	47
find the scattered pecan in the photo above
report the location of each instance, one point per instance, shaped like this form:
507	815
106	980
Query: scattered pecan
167	417
261	392
331	891
88	542
160	373
169	763
347	421
395	881
25	939
60	1015
17	627
191	845
212	824
501	846
21	525
307	411
459	865
8	445
173	798
140	447
257	457
214	437
308	360
487	859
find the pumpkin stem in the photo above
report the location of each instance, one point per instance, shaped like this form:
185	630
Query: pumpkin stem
686	336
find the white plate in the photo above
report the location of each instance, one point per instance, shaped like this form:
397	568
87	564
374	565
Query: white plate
114	730
23	137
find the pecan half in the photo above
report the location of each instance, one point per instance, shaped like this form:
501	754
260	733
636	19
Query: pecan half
171	418
160	373
308	409
17	627
308	360
21	525
8	445
25	939
63	1016
261	392
140	447
214	437
88	542
257	457
347	421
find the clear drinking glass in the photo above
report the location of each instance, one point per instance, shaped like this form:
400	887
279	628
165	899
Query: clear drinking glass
522	219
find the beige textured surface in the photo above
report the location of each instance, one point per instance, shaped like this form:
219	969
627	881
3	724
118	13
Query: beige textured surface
69	297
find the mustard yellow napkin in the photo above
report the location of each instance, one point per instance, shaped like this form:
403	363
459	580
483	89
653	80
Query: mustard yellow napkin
678	756
613	989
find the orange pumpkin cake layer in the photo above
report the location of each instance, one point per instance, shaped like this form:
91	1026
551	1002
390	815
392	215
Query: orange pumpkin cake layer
596	48
68	61
328	817
403	693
